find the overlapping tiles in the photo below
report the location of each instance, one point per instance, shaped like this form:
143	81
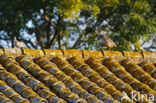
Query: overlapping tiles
71	76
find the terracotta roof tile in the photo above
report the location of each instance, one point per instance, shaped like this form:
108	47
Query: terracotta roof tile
32	52
95	77
12	52
139	73
4	99
53	52
72	52
82	80
1	51
10	93
115	54
114	66
90	53
122	83
149	68
67	80
18	86
50	81
75	76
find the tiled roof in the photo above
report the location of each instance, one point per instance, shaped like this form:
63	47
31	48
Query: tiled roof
75	76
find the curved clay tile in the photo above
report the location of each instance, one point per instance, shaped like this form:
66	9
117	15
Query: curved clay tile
50	81
149	68
76	76
83	81
118	83
69	82
91	74
139	73
4	99
10	93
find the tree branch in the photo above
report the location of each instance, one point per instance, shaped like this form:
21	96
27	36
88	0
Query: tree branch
37	34
77	41
52	40
4	38
1	46
148	48
45	17
57	33
48	35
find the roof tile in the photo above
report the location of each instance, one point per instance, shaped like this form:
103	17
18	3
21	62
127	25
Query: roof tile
83	81
4	99
149	56
115	54
53	52
1	51
136	56
22	89
75	76
70	83
90	53
13	52
57	87
32	52
149	68
138	72
118	82
72	52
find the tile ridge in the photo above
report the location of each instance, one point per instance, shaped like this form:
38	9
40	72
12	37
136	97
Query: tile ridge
75	52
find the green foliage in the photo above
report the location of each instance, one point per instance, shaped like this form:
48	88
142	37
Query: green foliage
72	23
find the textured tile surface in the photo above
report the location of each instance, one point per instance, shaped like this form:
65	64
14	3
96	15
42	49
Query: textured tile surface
75	76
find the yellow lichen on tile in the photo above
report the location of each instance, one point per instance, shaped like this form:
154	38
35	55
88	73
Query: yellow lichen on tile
138	73
132	54
149	54
9	92
51	82
53	52
90	53
95	78
78	76
135	56
13	52
149	68
1	51
4	99
110	77
112	53
134	83
72	52
33	52
60	75
76	61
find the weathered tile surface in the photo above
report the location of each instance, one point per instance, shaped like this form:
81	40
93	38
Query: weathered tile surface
75	76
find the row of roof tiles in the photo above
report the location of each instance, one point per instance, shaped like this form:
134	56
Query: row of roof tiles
138	56
74	79
69	84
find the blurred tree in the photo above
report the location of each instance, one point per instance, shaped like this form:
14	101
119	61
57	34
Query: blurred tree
67	24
